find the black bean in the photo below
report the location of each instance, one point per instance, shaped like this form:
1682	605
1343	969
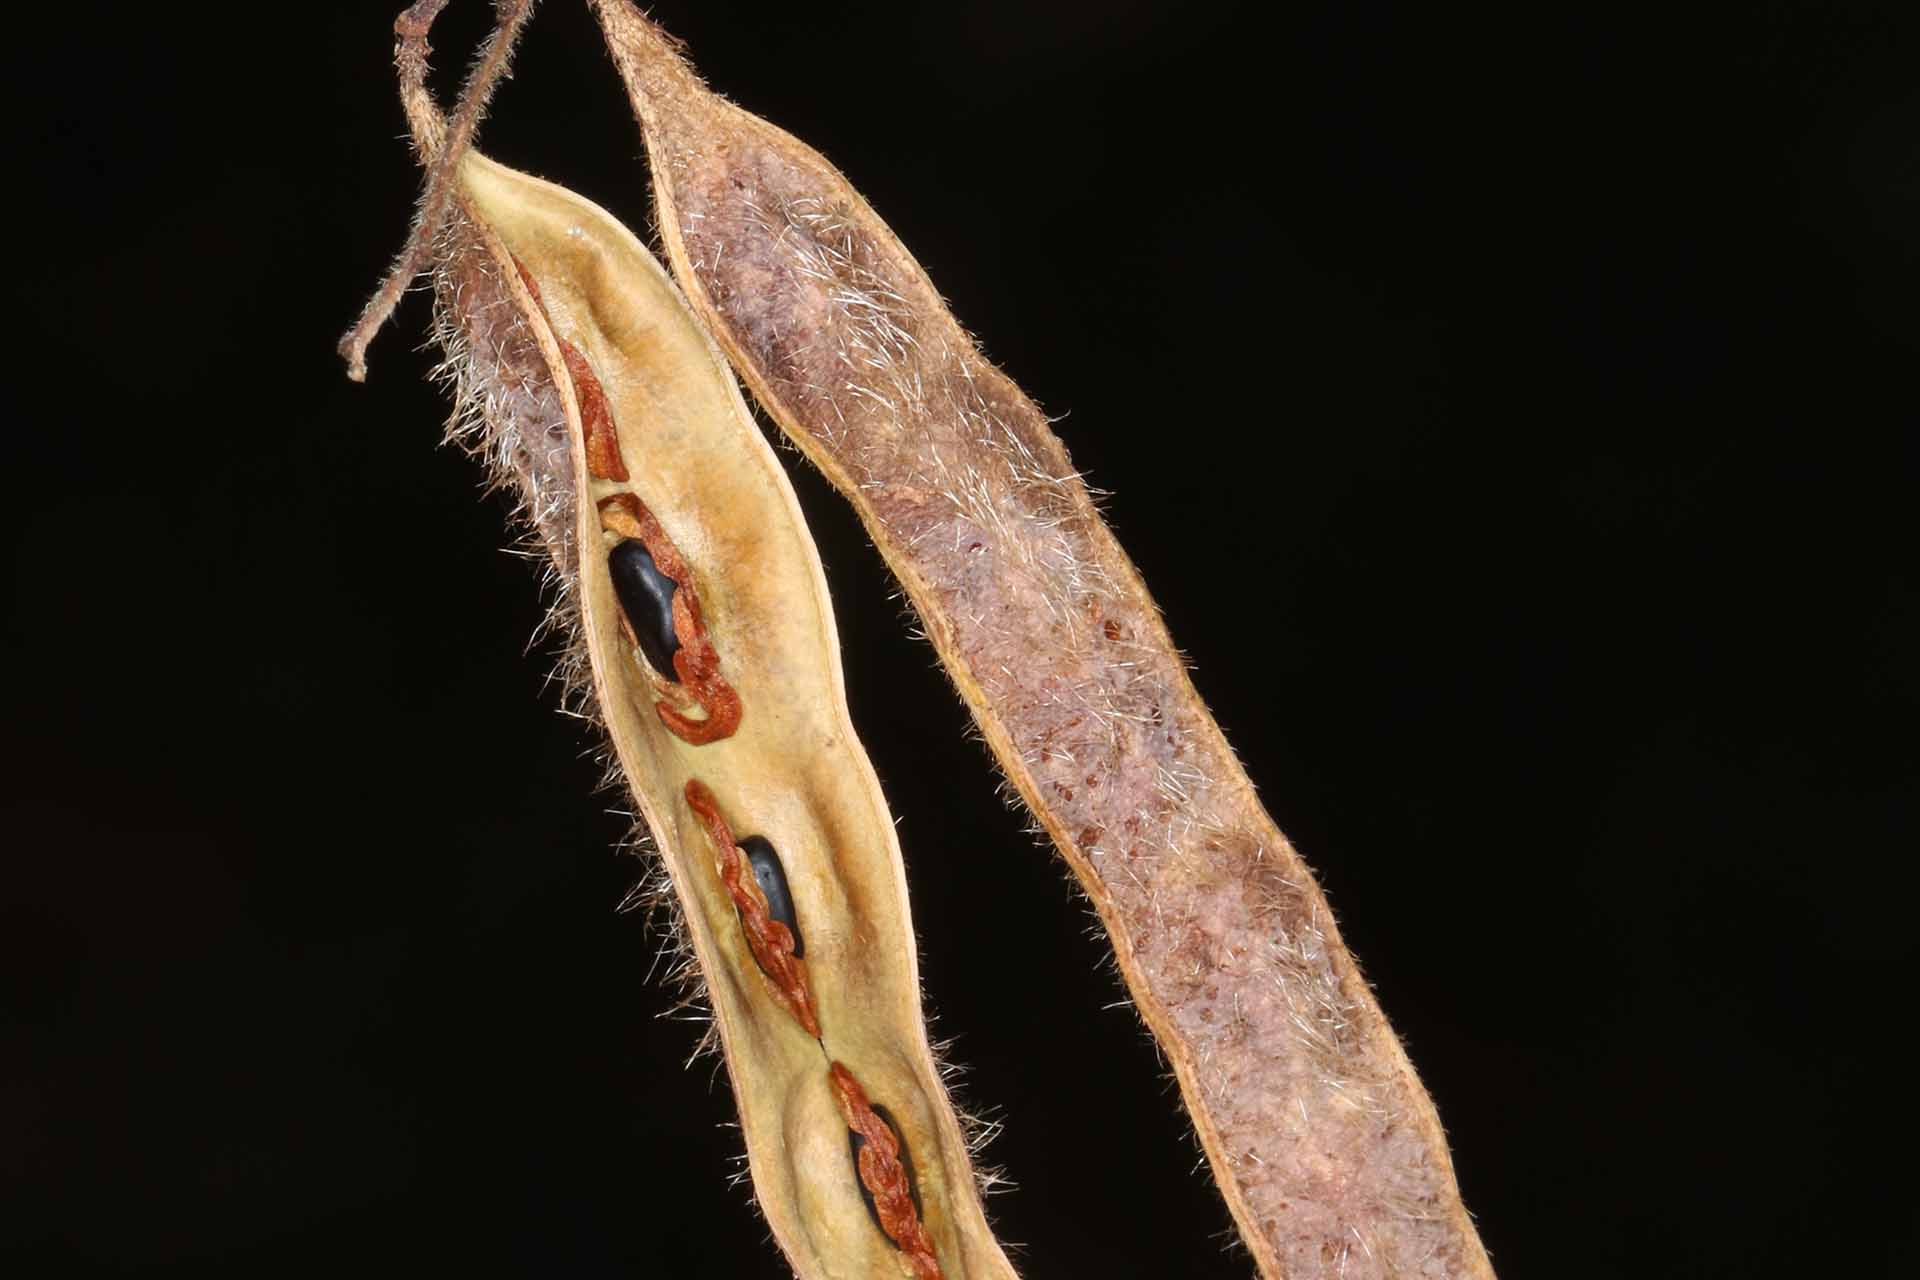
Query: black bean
855	1142
646	597
773	883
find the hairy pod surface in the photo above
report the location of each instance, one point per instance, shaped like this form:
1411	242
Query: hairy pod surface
597	396
1325	1145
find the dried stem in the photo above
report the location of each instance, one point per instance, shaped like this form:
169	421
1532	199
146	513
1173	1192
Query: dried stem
410	54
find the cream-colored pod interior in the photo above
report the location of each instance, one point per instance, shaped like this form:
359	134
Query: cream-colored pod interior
792	772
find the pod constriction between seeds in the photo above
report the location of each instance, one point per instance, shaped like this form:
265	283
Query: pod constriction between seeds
1324	1143
563	336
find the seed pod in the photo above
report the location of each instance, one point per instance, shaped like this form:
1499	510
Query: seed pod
1322	1139
565	338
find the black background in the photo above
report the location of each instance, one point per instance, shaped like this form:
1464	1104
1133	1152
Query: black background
1511	409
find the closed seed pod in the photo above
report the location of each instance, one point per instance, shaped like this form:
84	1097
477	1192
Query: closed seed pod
1325	1145
596	395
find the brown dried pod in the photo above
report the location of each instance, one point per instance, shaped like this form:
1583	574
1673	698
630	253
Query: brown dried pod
585	379
1326	1147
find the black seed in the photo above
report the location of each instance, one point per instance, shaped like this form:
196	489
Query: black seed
855	1142
646	597
773	883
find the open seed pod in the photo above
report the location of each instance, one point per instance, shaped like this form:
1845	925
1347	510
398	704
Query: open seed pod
706	646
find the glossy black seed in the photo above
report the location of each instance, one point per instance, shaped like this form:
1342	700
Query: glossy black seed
773	883
855	1142
646	597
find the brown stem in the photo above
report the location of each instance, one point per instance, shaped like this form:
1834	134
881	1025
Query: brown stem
436	199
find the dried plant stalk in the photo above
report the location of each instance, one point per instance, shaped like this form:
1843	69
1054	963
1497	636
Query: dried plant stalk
1327	1148
705	645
